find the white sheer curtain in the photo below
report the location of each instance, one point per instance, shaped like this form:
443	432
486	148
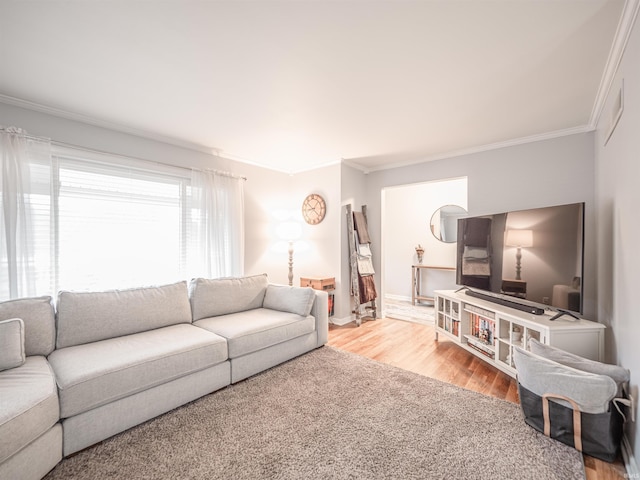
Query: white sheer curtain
217	233
75	219
25	252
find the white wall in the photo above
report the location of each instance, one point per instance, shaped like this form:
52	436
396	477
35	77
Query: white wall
315	254
618	199
266	192
407	212
320	258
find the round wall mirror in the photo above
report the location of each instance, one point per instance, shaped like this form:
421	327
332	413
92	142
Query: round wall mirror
444	222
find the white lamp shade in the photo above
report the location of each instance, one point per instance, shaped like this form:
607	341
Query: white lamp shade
289	231
519	238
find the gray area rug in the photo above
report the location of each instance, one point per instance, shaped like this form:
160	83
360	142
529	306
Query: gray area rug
332	414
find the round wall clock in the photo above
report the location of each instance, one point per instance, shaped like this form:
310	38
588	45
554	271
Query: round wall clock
314	209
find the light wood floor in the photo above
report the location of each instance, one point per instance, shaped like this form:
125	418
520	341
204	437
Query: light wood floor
413	347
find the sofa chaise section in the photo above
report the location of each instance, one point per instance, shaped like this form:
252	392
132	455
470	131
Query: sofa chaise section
124	357
30	435
264	324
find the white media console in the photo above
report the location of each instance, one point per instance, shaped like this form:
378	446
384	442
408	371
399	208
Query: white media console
490	330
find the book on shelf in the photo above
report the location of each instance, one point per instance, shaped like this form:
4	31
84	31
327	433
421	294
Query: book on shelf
331	304
480	345
483	328
488	354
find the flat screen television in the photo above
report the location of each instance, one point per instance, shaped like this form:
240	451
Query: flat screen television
532	257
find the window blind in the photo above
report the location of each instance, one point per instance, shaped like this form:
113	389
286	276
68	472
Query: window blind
118	226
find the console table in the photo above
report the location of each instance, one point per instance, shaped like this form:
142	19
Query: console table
491	331
416	276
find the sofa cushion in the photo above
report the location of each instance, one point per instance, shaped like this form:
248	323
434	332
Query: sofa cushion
85	317
256	329
28	404
221	296
289	299
95	374
39	322
11	343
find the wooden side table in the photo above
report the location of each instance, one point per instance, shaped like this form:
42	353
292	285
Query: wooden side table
326	284
416	274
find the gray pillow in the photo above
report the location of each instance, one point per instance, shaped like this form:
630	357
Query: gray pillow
11	344
289	299
617	373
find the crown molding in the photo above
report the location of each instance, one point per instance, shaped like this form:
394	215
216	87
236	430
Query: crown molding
60	113
77	117
481	148
623	32
212	151
357	166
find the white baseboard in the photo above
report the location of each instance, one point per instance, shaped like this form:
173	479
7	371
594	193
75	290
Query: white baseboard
397	316
397	298
630	464
341	321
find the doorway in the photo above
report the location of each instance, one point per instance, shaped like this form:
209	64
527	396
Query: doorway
405	221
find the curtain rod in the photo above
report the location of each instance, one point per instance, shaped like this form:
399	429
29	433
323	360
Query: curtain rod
21	133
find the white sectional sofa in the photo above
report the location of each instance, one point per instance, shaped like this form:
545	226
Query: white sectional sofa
124	357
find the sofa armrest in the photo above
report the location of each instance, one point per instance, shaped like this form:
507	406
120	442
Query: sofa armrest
320	311
296	300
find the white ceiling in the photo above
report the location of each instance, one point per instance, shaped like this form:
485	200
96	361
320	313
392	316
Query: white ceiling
297	84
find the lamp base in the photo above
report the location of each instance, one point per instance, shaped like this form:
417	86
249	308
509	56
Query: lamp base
291	264
518	263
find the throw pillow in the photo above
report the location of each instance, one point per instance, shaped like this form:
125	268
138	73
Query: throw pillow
289	299
11	344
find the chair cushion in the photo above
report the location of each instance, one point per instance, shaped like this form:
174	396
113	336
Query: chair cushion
221	296
85	317
289	299
256	329
11	343
98	373
28	404
39	322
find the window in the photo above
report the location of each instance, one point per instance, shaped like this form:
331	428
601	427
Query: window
118	226
99	221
